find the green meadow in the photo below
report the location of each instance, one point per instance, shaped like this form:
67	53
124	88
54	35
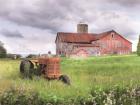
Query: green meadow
86	75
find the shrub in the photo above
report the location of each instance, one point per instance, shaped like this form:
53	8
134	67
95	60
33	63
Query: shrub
20	97
138	47
114	96
31	56
2	52
14	56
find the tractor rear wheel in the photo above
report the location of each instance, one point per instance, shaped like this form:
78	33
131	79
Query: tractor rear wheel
65	79
26	68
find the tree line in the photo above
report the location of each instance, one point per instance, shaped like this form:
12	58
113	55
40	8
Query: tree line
3	52
138	47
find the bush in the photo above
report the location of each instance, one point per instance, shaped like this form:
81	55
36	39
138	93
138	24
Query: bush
14	56
138	47
31	56
114	96
2	52
20	97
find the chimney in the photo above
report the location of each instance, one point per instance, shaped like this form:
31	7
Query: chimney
82	28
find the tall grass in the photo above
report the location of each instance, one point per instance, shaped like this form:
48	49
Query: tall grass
85	74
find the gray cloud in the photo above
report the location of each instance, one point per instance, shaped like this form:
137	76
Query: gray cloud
11	34
63	15
125	2
43	14
56	14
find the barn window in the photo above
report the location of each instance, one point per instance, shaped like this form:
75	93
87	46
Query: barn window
112	34
60	52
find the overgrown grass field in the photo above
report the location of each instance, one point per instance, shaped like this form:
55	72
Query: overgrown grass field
95	73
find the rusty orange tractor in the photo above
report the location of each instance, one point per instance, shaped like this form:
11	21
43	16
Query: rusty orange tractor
49	67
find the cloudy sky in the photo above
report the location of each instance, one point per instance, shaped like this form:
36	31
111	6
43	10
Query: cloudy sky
30	26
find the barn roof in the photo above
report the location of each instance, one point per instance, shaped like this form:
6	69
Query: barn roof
76	37
82	37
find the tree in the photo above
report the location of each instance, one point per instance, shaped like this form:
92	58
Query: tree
3	51
14	56
1	44
18	56
31	56
138	47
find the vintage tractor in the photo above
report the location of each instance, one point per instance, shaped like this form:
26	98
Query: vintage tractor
48	67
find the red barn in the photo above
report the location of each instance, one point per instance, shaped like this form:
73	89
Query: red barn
84	44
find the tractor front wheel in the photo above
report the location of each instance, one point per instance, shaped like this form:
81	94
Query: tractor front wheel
65	79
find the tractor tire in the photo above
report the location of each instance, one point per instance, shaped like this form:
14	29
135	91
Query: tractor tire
26	68
65	79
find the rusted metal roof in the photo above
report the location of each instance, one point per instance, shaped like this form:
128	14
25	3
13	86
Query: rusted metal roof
74	37
82	37
79	37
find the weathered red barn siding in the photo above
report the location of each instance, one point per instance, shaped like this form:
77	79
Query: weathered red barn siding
114	44
87	50
87	44
81	52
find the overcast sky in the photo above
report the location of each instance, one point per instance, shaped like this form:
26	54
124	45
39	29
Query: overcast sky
30	26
